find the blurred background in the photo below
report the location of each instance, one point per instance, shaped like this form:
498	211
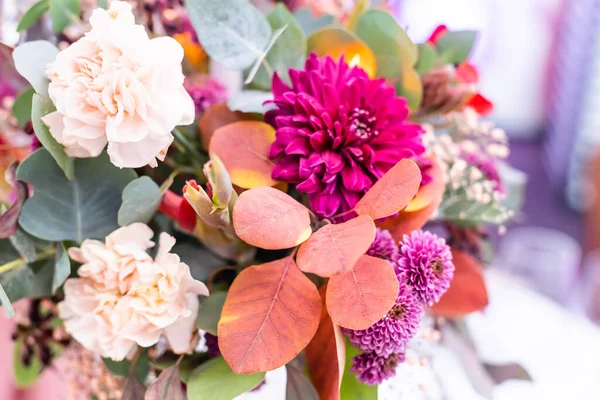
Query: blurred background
539	62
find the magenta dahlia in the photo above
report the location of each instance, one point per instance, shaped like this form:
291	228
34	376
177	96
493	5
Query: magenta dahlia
425	262
391	333
372	369
337	132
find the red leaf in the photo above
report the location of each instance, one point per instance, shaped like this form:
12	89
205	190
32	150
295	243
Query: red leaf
334	249
437	34
467	292
326	356
480	104
467	73
243	147
406	222
270	315
9	220
392	192
362	296
270	219
216	117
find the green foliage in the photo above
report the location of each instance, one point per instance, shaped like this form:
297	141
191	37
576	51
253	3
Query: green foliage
214	380
167	386
250	101
33	15
24	244
83	208
15	276
288	51
21	109
261	60
62	267
351	388
43	106
428	58
63	13
121	368
455	47
25	375
233	32
208	318
395	53
141	198
309	23
5	302
31	59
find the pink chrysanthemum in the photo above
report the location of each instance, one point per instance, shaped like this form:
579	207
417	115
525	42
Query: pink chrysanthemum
337	132
391	333
372	369
425	262
384	246
205	92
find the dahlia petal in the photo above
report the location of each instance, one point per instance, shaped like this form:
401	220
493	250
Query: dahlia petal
311	185
333	161
299	146
278	86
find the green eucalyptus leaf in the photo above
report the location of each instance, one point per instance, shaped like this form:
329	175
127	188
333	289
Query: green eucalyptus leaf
309	23
121	368
351	388
24	244
25	375
62	267
455	47
133	389
32	15
17	280
298	386
21	108
31	59
5	302
83	208
102	4
289	51
63	13
210	312
141	198
40	107
215	380
250	101
261	60
42	280
428	58
233	32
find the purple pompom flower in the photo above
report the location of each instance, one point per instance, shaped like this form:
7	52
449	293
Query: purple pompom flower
372	369
391	333
384	246
425	262
337	132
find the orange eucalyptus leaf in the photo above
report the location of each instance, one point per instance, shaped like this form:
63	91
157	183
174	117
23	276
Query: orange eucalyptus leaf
270	219
431	192
406	222
361	296
271	314
326	355
243	147
218	116
392	192
467	292
334	249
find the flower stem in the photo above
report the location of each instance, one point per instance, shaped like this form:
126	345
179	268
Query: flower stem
18	261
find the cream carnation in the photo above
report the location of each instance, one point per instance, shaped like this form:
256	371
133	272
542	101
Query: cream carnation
117	86
124	299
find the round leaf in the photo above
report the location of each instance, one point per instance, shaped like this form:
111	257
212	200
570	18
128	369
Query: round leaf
33	15
31	59
233	32
250	101
83	208
141	198
431	192
335	42
244	149
362	296
216	117
392	192
289	51
270	219
270	315
467	292
63	13
334	249
214	380
406	222
455	47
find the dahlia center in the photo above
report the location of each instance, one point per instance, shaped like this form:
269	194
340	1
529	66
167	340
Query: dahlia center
437	267
398	311
392	361
362	123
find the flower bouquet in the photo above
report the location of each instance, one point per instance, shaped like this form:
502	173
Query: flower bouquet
182	236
